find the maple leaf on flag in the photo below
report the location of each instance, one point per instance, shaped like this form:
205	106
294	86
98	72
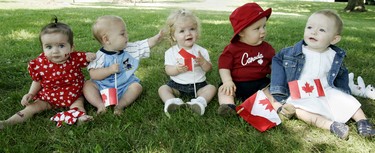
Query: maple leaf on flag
267	103
104	97
307	88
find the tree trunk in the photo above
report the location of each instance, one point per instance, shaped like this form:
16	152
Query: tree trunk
355	6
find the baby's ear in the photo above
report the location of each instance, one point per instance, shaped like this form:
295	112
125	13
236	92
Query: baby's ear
336	39
104	39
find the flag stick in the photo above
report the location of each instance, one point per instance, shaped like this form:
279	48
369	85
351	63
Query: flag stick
240	110
195	88
116	82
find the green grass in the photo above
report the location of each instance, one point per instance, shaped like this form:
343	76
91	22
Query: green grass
144	127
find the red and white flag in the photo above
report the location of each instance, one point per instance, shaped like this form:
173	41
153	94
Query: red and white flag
305	88
258	112
188	59
109	96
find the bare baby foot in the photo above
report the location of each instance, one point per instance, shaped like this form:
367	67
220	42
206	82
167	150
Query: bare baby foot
84	119
101	110
118	111
1	125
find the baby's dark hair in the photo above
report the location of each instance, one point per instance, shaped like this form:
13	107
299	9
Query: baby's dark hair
57	27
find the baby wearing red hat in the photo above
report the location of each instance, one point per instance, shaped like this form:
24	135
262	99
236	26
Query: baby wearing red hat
245	63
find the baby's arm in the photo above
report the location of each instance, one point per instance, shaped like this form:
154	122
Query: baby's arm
90	57
102	73
34	88
173	70
228	86
152	41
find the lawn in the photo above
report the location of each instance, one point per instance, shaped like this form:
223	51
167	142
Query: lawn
144	127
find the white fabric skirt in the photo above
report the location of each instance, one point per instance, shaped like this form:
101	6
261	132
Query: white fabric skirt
336	105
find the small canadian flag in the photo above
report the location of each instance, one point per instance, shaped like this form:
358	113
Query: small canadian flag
305	89
109	96
258	112
188	59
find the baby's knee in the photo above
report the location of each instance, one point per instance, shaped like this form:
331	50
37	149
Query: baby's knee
221	90
211	87
89	85
164	88
208	89
136	87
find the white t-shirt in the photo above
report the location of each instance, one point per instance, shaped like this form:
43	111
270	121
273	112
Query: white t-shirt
173	58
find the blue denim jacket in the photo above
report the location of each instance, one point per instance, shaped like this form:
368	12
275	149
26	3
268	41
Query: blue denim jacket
287	66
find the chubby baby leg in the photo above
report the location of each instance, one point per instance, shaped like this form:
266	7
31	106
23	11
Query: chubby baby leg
25	114
92	95
1	125
313	119
130	95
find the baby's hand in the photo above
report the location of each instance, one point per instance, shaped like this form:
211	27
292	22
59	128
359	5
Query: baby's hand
228	88
181	68
154	40
90	57
114	68
200	59
159	36
26	99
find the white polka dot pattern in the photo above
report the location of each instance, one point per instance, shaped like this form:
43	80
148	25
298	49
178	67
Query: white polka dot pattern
61	83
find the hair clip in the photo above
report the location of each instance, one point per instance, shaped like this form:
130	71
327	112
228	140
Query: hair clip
183	11
54	19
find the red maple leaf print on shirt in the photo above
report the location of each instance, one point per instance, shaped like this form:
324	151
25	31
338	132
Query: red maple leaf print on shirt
307	88
267	103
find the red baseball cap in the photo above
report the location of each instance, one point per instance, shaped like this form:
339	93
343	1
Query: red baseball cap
245	15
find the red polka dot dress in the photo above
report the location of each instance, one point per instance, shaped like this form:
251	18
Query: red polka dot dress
61	83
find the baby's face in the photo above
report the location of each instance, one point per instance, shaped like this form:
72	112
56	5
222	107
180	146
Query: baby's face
56	47
117	37
320	31
186	33
255	33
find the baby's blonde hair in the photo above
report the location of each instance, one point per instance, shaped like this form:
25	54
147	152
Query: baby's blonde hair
336	18
103	24
176	16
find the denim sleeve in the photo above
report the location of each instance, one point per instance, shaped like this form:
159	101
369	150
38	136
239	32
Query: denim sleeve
342	80
278	87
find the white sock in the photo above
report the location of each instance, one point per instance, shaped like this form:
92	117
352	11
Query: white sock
202	101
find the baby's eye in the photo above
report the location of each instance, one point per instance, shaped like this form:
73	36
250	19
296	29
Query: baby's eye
182	31
322	30
48	46
62	46
192	29
308	27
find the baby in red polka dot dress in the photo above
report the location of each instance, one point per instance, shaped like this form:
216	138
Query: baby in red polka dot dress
56	74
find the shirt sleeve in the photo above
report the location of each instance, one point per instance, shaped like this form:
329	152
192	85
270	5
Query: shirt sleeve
80	58
226	59
168	57
138	49
33	69
98	62
205	54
